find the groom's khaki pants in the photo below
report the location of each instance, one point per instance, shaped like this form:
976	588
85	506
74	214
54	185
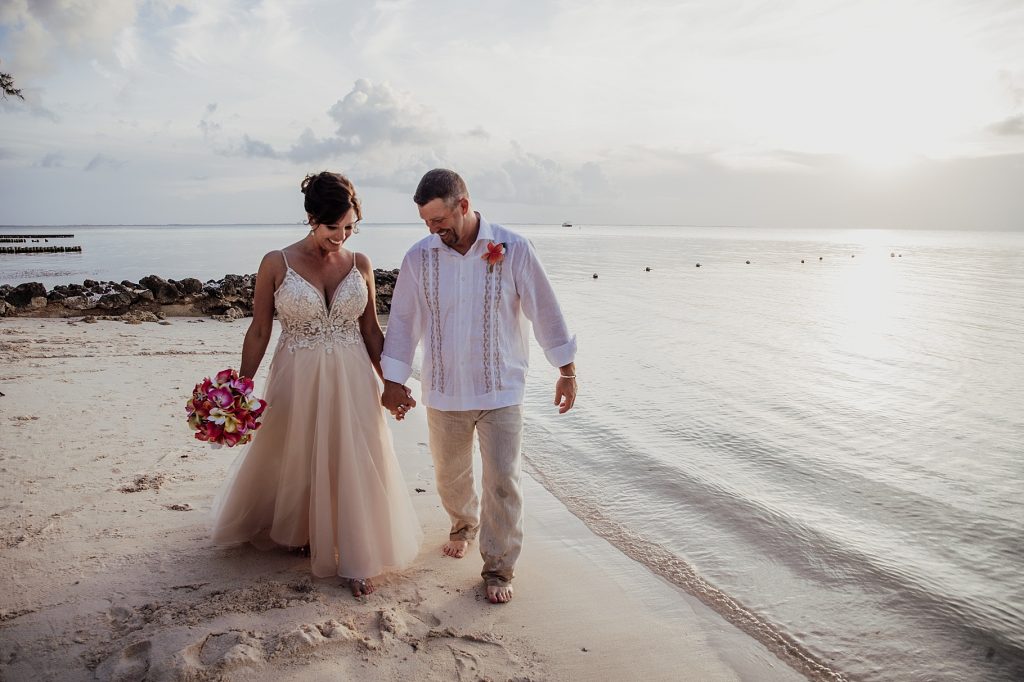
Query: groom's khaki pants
500	517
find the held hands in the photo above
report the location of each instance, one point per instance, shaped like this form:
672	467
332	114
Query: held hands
565	392
397	399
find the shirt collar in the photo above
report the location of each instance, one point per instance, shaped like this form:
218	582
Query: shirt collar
486	232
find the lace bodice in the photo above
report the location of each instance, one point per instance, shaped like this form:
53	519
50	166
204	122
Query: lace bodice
306	321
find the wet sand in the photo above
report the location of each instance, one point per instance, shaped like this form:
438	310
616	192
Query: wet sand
107	570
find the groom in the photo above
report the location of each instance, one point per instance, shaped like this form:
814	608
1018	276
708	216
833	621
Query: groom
463	291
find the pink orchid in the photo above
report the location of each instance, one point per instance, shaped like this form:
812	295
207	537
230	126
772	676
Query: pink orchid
225	376
221	397
243	385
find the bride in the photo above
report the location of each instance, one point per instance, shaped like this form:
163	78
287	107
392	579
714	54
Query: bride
321	472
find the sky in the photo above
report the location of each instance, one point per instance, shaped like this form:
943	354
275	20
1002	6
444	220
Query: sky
784	114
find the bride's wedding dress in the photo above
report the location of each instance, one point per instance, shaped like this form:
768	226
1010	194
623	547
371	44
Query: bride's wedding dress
322	469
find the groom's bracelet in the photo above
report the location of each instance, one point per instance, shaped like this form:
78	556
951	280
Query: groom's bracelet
567	376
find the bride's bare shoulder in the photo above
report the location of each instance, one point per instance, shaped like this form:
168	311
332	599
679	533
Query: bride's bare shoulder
363	262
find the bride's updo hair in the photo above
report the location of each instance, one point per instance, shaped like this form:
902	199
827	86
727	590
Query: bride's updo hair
329	196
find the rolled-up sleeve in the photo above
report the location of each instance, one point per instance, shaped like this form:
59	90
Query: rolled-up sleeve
404	324
540	306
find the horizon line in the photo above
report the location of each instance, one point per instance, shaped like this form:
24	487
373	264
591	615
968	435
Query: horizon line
529	224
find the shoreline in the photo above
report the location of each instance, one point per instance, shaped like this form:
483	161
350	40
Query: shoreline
109	570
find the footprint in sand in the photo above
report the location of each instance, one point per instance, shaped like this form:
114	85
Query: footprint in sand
218	653
391	621
132	663
313	635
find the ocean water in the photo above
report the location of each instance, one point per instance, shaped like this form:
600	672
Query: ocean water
825	444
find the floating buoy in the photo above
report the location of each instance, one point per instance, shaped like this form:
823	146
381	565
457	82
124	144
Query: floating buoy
595	275
819	257
748	262
698	265
647	269
801	260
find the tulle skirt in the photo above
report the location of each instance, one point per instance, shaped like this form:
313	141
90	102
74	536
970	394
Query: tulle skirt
322	469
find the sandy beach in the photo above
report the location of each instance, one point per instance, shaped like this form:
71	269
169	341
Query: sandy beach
108	572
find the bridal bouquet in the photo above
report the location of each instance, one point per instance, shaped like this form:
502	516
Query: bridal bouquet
223	410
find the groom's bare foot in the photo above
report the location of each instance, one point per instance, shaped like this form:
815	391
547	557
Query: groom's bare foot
456	549
498	591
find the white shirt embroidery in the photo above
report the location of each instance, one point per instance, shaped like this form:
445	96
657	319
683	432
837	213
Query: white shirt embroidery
472	321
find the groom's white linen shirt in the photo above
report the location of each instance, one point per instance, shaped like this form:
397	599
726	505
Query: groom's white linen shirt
471	321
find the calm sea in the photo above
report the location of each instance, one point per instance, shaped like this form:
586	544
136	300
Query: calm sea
825	444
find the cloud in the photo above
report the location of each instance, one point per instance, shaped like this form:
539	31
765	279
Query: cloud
529	178
52	160
255	148
403	175
1013	125
41	27
209	127
591	179
374	115
370	117
101	161
32	103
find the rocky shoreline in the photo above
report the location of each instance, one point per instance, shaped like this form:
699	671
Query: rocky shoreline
152	298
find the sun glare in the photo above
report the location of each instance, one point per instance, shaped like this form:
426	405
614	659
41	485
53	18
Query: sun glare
896	87
865	297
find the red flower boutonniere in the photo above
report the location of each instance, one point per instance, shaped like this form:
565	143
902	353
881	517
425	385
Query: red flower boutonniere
495	254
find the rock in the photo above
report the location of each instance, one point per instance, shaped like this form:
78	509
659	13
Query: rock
230	315
22	295
163	291
137	316
114	301
77	303
228	299
385	284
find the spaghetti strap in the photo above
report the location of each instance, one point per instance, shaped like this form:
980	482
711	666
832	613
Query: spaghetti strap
285	259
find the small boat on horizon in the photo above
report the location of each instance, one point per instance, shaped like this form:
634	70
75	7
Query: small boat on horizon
566	224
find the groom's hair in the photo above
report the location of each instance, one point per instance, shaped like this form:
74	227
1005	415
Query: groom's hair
440	183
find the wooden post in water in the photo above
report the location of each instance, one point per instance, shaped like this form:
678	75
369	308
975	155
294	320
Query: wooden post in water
40	249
